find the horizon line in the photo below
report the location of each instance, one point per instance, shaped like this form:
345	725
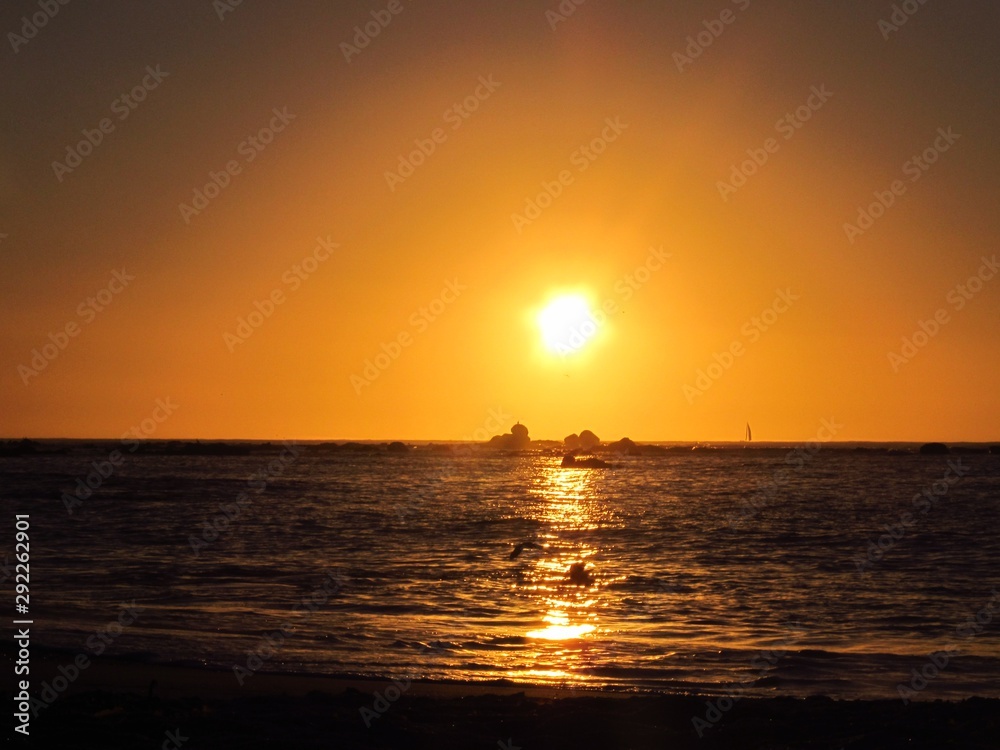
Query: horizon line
485	442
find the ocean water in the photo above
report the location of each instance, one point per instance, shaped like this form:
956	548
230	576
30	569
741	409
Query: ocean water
751	571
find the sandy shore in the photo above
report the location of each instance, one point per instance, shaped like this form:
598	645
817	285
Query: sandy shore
122	704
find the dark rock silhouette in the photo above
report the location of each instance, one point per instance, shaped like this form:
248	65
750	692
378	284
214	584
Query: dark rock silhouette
585	441
934	449
397	447
196	448
18	448
352	447
626	446
578	575
571	461
520	435
516	440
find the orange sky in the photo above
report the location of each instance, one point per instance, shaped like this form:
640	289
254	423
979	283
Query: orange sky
381	248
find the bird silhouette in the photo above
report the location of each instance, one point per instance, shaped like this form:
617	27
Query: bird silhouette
521	548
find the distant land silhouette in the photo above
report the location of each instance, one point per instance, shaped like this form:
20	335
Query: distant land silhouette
585	443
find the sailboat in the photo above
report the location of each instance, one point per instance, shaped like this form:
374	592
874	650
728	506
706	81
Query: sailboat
749	435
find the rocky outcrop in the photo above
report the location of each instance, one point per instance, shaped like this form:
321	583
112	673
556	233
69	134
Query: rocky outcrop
626	446
515	440
572	462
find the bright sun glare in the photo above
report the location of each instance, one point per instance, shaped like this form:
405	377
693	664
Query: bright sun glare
567	324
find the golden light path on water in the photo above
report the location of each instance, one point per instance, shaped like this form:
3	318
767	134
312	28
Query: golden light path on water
566	501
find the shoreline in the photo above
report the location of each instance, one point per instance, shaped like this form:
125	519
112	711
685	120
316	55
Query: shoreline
116	702
121	674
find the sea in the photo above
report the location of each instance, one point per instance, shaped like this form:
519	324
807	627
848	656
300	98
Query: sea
840	570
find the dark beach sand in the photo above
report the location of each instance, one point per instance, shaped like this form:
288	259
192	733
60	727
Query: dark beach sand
110	706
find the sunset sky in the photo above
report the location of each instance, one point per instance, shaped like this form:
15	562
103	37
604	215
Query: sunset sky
583	153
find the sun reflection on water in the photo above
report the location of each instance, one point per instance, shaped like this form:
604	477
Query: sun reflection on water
569	497
567	502
559	628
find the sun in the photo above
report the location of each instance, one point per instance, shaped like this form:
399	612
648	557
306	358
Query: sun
567	324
